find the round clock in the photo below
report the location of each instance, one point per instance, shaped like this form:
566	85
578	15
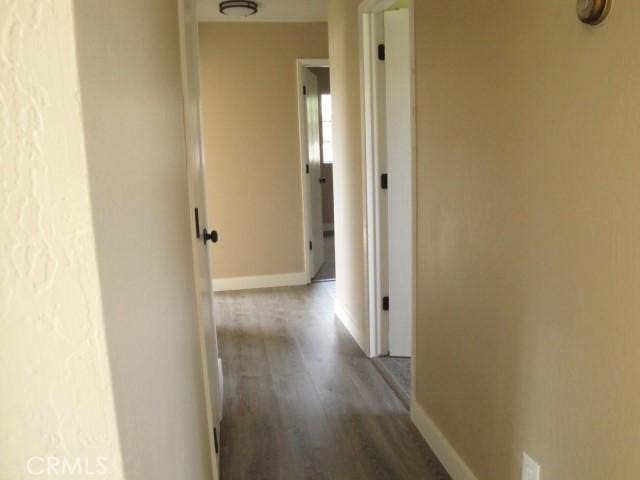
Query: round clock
593	12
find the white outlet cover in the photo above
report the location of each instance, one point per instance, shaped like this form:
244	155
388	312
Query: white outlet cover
530	469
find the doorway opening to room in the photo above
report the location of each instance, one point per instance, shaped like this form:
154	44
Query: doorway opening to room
316	168
388	132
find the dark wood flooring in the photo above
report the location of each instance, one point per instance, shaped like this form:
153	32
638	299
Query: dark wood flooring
302	401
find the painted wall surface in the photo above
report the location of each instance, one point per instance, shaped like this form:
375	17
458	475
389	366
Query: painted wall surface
131	92
348	167
56	398
250	120
528	234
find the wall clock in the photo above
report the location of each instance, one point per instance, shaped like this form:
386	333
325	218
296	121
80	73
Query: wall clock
593	12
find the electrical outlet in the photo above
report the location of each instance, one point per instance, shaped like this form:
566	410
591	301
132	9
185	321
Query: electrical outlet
530	469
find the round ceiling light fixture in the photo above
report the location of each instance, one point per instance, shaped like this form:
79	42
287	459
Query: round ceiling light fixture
238	8
593	12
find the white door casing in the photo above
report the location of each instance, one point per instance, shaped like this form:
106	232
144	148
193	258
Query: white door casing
198	199
399	168
375	151
312	142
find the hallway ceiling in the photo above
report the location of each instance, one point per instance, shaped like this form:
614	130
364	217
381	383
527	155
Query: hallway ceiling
269	11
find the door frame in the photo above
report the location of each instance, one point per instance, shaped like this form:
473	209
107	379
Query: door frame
304	180
373	144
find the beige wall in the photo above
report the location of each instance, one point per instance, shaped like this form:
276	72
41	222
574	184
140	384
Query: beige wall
56	395
348	164
250	113
133	118
527	307
528	235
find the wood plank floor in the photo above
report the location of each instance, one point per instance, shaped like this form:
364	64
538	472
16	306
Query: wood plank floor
302	401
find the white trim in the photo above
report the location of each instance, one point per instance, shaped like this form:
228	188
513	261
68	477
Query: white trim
221	392
302	134
372	117
352	327
414	203
448	456
313	62
375	6
414	195
192	116
262	281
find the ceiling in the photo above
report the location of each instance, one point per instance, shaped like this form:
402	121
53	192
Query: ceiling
269	11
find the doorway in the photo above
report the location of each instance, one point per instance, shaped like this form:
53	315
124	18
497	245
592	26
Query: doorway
314	97
387	88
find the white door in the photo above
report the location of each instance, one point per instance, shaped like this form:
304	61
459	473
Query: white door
398	117
197	190
312	114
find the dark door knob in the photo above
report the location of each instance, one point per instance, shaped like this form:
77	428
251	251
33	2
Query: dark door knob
209	237
322	180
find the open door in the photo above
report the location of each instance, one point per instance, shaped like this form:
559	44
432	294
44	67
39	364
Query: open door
400	183
202	233
312	120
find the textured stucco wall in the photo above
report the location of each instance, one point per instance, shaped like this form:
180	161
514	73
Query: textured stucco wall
55	389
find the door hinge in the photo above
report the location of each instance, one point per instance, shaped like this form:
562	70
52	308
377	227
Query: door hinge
307	168
384	181
385	304
310	245
381	52
304	90
215	439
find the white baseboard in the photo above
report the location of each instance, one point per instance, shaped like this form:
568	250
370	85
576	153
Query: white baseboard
220	398
261	281
450	459
354	329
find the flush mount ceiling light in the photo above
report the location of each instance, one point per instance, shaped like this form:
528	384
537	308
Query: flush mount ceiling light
238	8
593	12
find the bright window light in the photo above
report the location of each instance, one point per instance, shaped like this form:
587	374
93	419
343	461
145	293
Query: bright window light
325	114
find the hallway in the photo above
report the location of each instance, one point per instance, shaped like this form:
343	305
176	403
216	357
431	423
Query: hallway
301	401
